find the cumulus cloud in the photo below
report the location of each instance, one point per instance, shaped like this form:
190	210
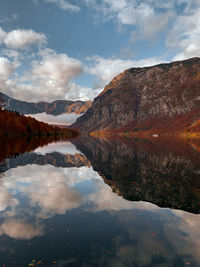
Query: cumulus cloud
65	5
21	38
48	78
6	70
55	70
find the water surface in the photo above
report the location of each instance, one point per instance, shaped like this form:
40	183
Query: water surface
101	202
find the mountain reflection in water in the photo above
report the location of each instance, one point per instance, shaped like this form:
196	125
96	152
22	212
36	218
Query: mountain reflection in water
164	172
95	202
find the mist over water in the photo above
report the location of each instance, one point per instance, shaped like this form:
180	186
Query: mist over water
63	119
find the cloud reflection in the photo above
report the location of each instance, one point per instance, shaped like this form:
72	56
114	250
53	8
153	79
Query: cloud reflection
61	147
18	229
50	191
6	199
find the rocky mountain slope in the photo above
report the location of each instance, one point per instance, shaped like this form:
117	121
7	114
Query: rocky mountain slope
162	97
55	108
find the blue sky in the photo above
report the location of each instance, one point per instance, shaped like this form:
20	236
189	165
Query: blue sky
70	49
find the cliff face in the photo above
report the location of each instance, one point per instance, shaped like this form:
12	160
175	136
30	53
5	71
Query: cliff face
162	96
163	172
55	108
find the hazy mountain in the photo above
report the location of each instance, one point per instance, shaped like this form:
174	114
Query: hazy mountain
55	108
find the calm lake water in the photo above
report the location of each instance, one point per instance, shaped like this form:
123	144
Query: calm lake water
101	202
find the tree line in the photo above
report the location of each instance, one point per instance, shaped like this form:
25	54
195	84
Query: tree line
14	124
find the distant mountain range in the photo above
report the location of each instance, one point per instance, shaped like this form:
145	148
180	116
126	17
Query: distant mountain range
55	108
160	98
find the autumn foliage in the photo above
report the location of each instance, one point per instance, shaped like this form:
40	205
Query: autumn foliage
13	124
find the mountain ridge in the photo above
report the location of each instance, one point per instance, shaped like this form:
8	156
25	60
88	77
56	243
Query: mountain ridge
56	107
160	97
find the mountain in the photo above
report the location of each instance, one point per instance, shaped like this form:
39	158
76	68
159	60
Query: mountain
162	97
55	108
164	172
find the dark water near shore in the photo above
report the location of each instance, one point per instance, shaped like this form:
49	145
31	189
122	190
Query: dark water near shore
100	202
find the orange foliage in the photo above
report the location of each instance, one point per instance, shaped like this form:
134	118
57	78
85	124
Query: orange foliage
13	124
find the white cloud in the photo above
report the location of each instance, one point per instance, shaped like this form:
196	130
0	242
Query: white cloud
65	5
6	68
185	35
56	70
144	17
48	79
20	39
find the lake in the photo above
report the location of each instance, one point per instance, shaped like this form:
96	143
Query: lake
100	202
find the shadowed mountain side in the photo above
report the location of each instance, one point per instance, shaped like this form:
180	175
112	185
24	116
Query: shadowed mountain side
163	172
55	159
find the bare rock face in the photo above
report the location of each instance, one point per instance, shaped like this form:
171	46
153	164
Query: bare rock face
165	95
55	108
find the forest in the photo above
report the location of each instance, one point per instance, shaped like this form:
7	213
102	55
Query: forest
13	124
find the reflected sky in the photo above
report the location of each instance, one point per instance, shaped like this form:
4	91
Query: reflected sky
70	217
61	147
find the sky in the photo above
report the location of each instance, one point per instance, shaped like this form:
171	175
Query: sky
70	49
